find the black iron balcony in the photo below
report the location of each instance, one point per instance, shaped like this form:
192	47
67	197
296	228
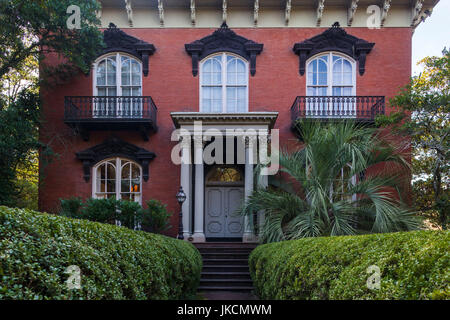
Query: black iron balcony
361	108
110	113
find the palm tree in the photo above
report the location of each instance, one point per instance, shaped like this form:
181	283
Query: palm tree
345	179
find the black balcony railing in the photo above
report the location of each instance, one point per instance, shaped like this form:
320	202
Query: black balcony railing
362	108
119	113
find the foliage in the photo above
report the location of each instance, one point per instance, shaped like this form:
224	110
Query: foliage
115	263
110	210
18	138
423	113
35	28
329	186
71	207
100	210
413	265
29	32
155	217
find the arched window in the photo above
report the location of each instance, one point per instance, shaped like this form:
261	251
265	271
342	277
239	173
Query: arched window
119	178
224	84
331	74
118	75
222	174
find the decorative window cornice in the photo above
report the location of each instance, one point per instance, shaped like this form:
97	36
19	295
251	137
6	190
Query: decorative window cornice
334	39
118	41
223	40
114	147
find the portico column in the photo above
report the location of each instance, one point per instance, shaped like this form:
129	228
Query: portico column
185	181
248	235
199	234
263	183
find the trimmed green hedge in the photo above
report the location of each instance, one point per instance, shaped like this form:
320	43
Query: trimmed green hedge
115	262
413	265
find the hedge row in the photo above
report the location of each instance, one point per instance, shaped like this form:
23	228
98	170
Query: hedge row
115	262
413	265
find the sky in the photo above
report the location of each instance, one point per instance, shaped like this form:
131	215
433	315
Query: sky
431	36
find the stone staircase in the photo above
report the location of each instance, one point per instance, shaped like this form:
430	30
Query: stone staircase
225	266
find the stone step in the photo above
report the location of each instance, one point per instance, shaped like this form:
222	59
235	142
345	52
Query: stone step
226	275
233	289
225	268
231	283
233	262
225	255
225	250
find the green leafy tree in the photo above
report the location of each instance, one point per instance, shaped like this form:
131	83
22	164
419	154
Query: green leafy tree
29	32
329	186
423	113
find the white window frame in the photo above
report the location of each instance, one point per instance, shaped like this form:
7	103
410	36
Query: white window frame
118	71
118	165
330	71
224	79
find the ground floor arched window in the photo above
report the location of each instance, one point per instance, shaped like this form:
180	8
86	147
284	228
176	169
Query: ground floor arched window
119	178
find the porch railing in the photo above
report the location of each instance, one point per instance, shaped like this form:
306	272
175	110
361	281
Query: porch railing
323	107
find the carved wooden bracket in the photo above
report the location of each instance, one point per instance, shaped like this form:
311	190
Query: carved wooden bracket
223	40
333	39
114	147
118	41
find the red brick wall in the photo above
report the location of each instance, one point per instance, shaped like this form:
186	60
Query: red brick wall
171	84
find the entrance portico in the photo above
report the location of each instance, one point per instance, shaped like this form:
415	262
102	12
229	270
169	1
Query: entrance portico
200	150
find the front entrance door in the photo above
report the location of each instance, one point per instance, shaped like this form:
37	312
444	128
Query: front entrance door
221	220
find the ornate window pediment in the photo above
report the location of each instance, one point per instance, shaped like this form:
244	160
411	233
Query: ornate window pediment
224	40
334	39
118	41
114	147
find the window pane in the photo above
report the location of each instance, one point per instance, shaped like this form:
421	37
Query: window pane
241	106
101	91
101	74
347	67
126	166
310	78
125	79
347	78
136	79
211	72
135	172
347	91
337	91
112	92
322	79
135	67
111	79
321	91
111	186
206	105
111	171
126	91
125	185
136	91
322	66
125	65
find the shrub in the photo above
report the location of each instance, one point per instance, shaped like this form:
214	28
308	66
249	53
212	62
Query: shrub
156	218
100	210
116	263
413	265
71	207
129	213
